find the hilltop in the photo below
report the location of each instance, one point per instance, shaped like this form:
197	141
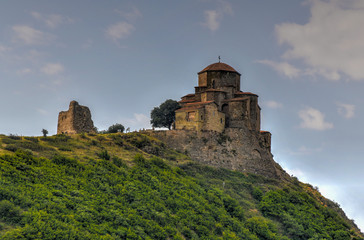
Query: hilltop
133	186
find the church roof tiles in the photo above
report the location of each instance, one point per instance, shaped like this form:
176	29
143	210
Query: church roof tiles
219	66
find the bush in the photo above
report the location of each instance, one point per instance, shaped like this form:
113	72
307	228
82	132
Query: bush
83	136
139	141
159	163
69	162
32	139
116	128
263	228
11	147
14	137
34	146
119	162
104	155
65	149
9	212
257	193
140	160
44	132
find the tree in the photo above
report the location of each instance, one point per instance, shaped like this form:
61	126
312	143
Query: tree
45	132
164	116
116	128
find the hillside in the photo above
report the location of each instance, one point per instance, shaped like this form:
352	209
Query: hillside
132	186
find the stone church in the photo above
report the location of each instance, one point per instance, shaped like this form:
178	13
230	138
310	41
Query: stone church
218	103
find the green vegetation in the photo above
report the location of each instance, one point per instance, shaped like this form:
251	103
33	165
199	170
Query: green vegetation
131	186
116	128
164	116
45	132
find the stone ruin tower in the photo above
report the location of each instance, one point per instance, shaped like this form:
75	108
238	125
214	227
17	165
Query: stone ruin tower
76	120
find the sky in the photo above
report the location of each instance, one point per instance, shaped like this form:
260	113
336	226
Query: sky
122	58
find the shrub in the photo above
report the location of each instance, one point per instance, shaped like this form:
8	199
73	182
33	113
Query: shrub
159	162
257	193
65	149
140	160
139	141
60	138
104	155
34	146
32	139
45	132
263	228
119	162
11	147
9	212
83	136
116	128
14	137
69	162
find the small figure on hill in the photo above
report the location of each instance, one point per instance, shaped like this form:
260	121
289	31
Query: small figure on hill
164	116
116	128
45	132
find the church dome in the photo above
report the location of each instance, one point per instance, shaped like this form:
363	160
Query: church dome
219	66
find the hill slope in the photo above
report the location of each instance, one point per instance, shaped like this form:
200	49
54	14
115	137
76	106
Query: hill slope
131	186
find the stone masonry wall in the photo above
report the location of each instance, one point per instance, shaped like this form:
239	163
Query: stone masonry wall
235	149
76	120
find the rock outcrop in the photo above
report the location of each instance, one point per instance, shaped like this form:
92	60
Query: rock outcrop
76	120
236	149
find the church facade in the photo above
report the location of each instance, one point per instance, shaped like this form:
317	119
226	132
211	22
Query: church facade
218	103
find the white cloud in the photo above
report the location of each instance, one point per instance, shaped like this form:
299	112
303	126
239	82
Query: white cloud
52	20
29	35
4	49
273	104
283	68
303	150
346	110
225	7
52	68
131	16
42	111
87	44
313	119
331	44
119	30
214	17
24	71
139	121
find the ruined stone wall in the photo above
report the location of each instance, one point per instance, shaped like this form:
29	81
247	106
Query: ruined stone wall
235	149
76	120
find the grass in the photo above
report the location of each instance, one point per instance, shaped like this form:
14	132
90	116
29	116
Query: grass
132	174
83	146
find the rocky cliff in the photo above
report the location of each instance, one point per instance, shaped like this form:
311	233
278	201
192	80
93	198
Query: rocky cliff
235	149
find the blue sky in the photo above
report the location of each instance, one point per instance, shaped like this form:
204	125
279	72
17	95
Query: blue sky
305	60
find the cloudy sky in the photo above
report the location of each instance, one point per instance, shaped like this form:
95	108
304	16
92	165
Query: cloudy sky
305	60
